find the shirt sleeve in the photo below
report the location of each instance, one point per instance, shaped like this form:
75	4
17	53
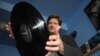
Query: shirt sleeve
70	47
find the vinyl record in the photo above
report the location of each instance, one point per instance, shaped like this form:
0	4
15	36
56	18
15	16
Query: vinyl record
29	29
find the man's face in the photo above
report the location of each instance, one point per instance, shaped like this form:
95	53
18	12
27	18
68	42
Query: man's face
53	26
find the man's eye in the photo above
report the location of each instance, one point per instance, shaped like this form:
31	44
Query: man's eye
55	23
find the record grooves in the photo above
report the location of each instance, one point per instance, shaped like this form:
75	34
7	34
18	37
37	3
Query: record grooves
29	29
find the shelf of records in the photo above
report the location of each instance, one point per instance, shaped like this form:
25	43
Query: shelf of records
91	46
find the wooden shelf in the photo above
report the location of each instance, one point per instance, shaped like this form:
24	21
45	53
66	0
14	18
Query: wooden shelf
93	50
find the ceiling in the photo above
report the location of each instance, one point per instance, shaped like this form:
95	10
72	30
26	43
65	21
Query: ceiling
64	8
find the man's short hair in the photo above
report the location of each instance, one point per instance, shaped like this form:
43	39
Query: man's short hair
56	17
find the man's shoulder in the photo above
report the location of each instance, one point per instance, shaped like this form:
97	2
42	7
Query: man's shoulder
66	37
69	40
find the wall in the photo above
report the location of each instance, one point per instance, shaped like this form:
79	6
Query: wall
81	23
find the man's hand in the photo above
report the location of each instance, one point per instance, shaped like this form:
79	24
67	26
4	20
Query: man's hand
8	28
54	44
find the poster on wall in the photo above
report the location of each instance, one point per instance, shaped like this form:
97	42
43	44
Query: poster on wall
93	12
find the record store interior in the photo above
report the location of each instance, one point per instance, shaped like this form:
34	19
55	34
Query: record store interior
80	19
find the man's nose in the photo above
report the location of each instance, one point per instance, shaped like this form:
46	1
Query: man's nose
52	25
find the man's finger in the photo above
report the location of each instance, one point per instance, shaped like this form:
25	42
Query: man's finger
57	29
52	49
52	43
52	37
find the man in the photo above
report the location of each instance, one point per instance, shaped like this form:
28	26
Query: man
57	45
65	45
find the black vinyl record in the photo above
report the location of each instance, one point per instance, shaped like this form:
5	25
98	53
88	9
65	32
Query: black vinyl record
29	29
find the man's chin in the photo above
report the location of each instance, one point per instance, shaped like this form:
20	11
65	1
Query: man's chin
51	31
